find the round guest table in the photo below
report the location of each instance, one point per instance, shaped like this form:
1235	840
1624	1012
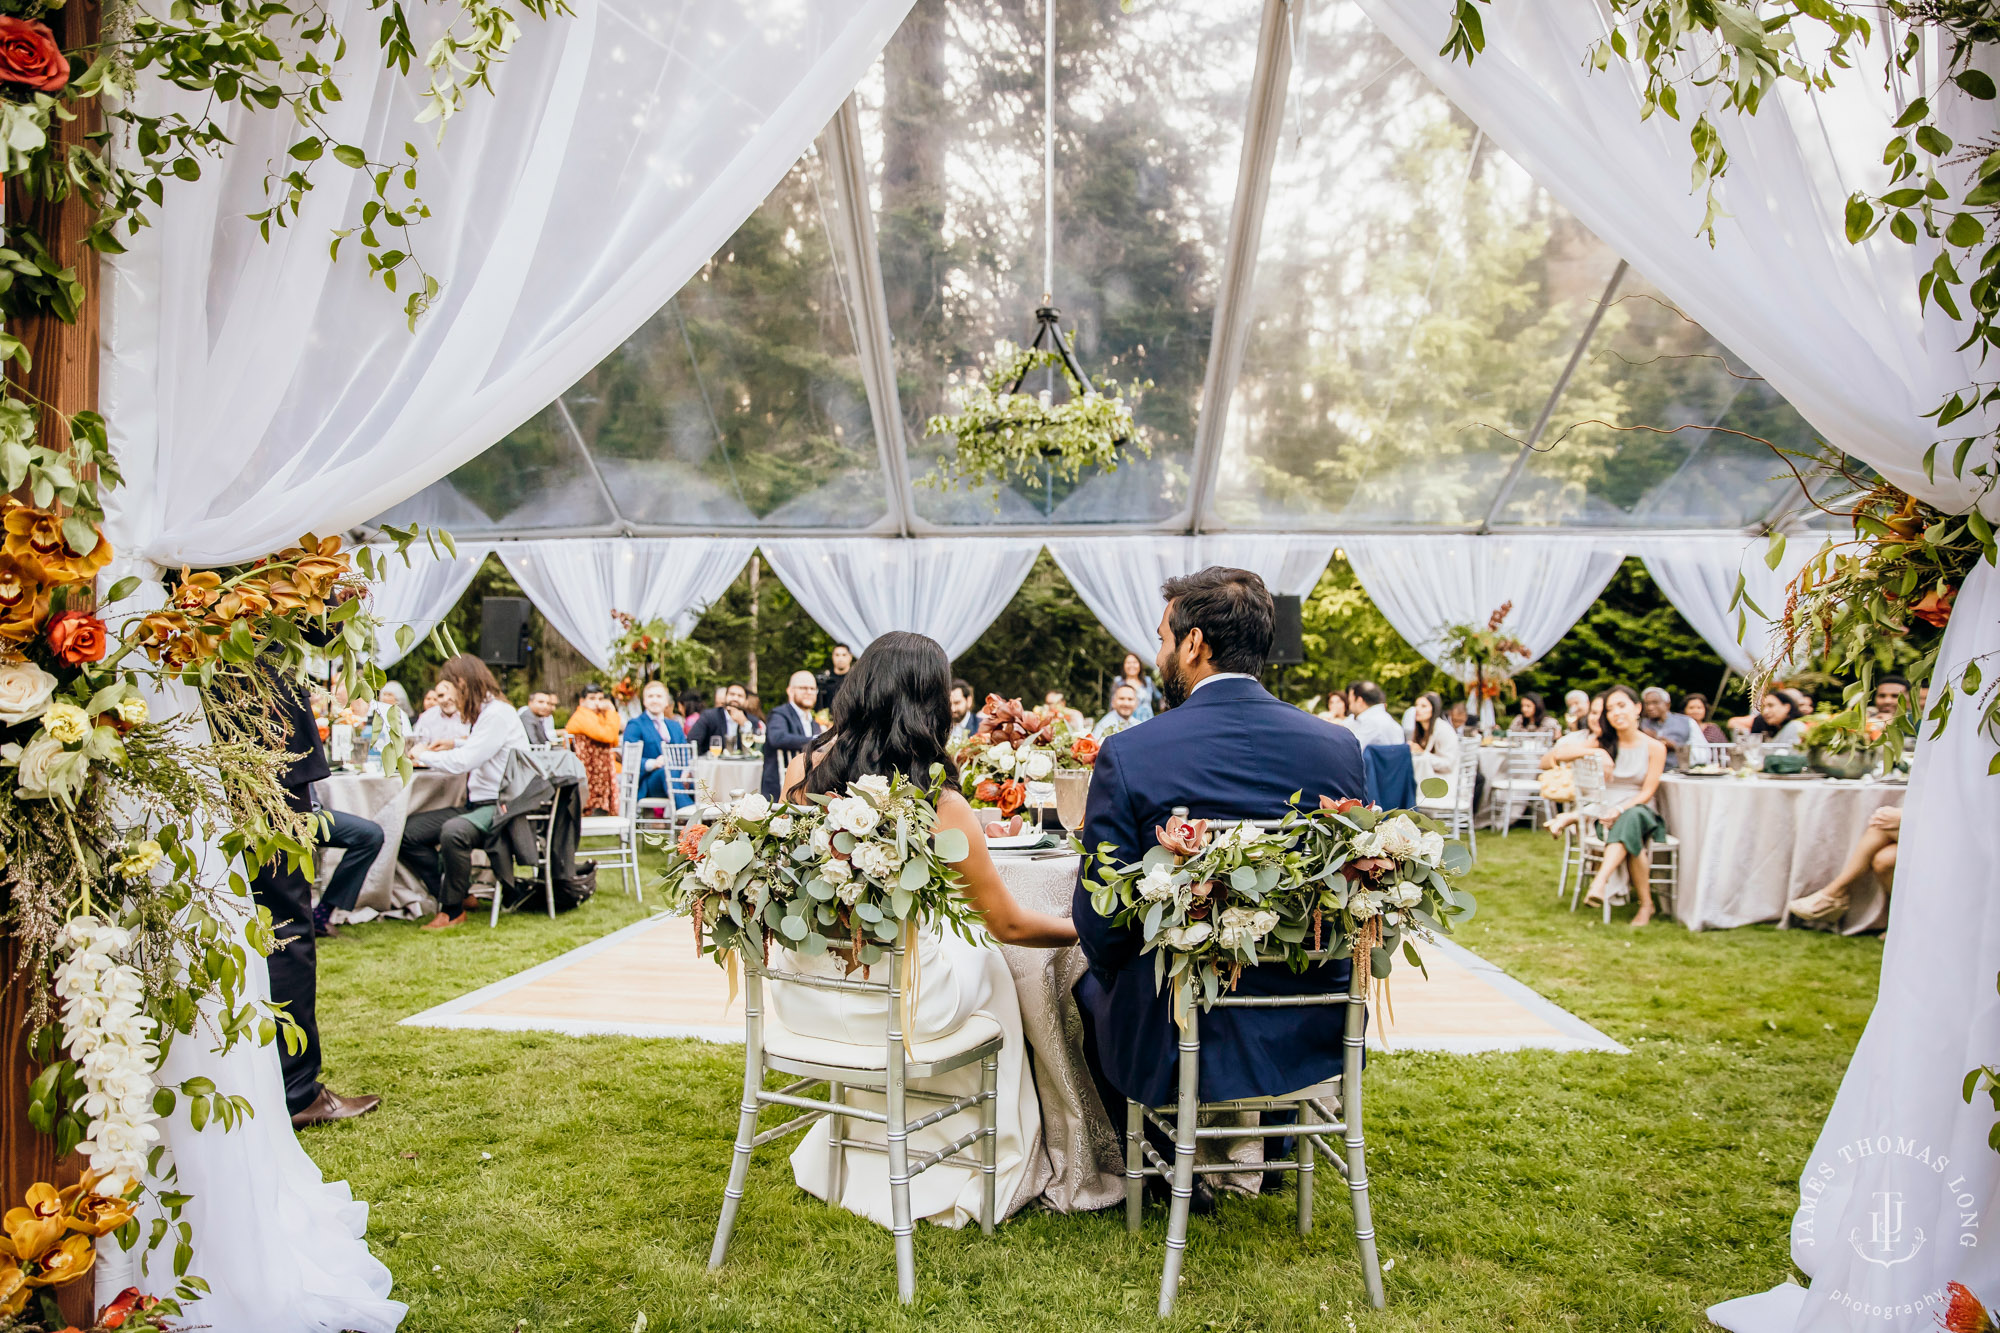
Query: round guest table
1749	845
719	775
390	889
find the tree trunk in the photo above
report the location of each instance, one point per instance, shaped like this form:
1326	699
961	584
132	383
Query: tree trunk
63	377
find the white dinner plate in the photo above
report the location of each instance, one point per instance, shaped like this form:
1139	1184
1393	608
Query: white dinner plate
1024	841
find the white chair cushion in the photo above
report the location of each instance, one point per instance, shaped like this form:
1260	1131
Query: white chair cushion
604	826
786	1044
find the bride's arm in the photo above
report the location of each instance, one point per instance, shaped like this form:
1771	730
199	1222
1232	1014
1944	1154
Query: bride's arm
1005	919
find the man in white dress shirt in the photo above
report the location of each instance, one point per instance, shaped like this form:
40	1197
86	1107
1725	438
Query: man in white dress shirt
1369	718
438	844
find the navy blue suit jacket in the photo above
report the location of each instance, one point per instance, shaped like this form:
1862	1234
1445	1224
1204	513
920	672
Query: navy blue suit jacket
1230	752
783	732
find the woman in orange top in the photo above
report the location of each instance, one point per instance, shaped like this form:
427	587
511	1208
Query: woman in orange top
593	730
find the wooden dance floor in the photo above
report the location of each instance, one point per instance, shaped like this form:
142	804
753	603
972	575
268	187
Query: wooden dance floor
645	981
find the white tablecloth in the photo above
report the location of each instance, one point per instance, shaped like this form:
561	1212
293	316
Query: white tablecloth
719	776
1751	845
389	888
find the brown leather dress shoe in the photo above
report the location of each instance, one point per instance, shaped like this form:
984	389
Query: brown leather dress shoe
330	1105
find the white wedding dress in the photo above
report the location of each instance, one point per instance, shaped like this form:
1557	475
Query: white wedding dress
958	984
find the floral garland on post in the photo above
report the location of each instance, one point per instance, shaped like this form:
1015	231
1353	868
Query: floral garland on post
1483	657
651	650
1002	432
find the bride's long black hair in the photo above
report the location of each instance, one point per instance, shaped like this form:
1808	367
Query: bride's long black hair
892	715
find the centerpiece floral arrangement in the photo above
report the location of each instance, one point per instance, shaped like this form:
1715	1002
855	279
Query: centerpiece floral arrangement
650	650
1013	748
1482	656
1343	878
854	872
1003	432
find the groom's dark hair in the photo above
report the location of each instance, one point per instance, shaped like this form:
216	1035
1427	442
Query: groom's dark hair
1232	609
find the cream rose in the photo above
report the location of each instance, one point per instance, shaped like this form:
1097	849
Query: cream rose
874	786
1038	766
1184	938
752	808
1398	838
853	814
36	769
25	691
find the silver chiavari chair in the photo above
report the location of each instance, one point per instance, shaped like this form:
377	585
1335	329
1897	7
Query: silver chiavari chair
1587	775
886	1069
1519	790
623	826
1329	1108
662	814
1457	817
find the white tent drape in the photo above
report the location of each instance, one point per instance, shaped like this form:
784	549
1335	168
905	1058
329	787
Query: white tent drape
420	594
577	584
857	588
255	391
1837	329
1698	574
1424	582
1119	578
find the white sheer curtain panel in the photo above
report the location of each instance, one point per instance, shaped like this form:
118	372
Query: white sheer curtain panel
257	391
577	583
1425	581
1698	574
1119	578
1838	330
950	588
421	593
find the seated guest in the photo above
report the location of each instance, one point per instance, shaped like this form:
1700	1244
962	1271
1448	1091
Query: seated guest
1147	695
1888	697
1684	741
1623	814
654	729
594	733
753	708
1581	739
438	844
1433	746
440	725
1576	705
964	719
535	718
788	730
1124	711
360	842
1778	719
1457	715
1369	716
1056	704
1531	714
1336	708
1874	850
1696	708
1224	750
729	722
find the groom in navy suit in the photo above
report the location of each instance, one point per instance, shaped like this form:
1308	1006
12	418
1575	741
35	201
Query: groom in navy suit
1225	750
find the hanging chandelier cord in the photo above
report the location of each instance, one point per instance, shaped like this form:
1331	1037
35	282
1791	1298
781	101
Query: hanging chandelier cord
1048	151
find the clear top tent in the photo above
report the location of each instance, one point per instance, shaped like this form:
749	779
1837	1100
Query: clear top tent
1355	312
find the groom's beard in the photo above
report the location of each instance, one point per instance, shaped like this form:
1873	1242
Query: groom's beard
1174	684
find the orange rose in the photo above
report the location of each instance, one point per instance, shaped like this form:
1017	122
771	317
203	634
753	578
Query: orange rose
77	637
1934	608
1084	749
29	55
1013	795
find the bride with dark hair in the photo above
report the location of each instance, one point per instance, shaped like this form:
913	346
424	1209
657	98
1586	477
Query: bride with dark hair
892	716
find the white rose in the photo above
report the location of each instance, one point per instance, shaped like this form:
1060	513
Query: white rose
1363	906
1038	766
751	807
874	785
821	842
782	826
875	860
836	871
1431	849
1406	894
1183	938
712	874
37	765
1367	844
1001	759
1158	885
850	892
853	814
25	690
1398	838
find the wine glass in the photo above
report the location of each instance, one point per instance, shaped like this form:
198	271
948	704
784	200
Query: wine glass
1072	794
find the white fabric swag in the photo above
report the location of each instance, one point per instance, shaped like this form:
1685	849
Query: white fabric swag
1424	582
256	391
1119	578
1837	329
577	584
1698	574
858	588
419	594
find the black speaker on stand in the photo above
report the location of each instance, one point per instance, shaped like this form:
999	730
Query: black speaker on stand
1288	633
503	631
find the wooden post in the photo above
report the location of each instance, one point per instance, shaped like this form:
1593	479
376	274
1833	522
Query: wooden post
62	376
756	565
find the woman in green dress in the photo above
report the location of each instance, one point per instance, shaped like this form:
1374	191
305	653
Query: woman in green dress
1626	820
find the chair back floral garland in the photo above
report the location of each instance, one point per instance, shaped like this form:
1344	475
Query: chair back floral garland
1339	879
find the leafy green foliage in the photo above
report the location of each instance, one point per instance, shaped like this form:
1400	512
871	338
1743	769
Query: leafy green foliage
1004	432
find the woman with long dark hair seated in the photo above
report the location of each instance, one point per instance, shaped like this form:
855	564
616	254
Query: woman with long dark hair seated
891	716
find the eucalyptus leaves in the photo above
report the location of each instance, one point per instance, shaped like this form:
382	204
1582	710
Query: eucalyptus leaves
856	871
1003	432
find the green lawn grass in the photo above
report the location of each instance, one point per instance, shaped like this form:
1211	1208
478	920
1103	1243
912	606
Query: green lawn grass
528	1181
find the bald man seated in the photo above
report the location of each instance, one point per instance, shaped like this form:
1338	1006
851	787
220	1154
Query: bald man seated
788	728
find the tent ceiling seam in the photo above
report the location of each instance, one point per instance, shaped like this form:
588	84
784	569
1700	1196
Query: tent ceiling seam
590	461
